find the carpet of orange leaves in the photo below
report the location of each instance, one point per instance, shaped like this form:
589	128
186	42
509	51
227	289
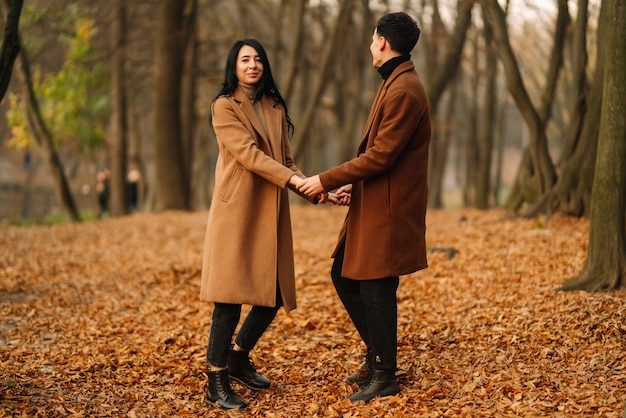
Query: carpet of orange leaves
103	319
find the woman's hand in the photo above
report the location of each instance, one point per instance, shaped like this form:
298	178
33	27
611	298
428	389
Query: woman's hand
311	186
296	181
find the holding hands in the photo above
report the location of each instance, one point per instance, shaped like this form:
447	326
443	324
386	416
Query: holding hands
341	196
312	186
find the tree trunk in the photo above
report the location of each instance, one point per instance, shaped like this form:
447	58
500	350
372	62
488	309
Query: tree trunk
556	61
446	71
544	174
469	149
276	45
580	85
497	182
172	191
448	68
438	159
188	97
571	194
10	43
605	266
43	138
350	129
524	188
432	44
485	149
295	48
327	61
118	201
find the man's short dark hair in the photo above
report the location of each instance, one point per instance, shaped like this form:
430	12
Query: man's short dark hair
400	30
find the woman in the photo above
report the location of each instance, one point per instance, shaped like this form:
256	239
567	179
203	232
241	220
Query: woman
248	255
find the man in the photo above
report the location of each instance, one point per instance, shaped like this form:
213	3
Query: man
385	186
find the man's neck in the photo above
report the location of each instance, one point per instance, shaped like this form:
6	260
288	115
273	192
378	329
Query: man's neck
387	68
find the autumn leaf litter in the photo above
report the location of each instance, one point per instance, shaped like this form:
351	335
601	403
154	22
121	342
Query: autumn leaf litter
104	319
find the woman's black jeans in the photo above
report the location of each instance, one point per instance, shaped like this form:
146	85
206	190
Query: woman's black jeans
373	308
225	319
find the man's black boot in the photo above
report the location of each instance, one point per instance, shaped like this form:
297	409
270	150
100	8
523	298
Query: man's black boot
382	383
219	393
241	369
360	377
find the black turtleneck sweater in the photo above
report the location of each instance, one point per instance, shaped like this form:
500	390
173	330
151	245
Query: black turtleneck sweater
387	68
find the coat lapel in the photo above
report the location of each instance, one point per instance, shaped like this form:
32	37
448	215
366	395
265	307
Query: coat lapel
272	137
248	109
370	119
274	121
382	90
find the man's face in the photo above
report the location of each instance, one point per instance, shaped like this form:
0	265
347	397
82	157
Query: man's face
376	49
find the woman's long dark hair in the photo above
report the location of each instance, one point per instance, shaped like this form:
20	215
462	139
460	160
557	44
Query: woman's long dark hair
266	85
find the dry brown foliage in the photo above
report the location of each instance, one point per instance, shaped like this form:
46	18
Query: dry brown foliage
103	319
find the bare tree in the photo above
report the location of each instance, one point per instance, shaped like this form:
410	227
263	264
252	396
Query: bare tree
445	70
571	194
118	199
605	266
468	146
10	43
188	97
580	84
43	138
350	103
339	32
485	144
447	67
542	172
294	54
172	188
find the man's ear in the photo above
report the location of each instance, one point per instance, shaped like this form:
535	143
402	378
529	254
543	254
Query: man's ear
383	43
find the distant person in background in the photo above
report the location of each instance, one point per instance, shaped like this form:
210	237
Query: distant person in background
248	255
385	186
103	180
132	189
27	160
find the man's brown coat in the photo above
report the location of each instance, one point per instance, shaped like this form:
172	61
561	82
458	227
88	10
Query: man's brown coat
384	230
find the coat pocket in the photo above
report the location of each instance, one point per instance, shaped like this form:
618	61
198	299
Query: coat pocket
232	184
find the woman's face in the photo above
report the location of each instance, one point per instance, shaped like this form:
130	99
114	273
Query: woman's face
249	66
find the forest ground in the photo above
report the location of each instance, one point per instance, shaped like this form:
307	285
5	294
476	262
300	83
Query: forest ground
103	319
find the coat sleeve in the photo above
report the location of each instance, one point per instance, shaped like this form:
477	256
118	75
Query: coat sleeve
240	143
289	160
399	122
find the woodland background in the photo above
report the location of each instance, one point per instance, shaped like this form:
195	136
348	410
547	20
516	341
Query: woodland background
127	86
527	178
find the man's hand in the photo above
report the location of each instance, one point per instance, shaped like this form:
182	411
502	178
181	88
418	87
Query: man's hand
342	195
332	198
311	186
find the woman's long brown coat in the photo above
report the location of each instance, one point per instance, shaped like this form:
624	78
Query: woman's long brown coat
384	231
248	240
